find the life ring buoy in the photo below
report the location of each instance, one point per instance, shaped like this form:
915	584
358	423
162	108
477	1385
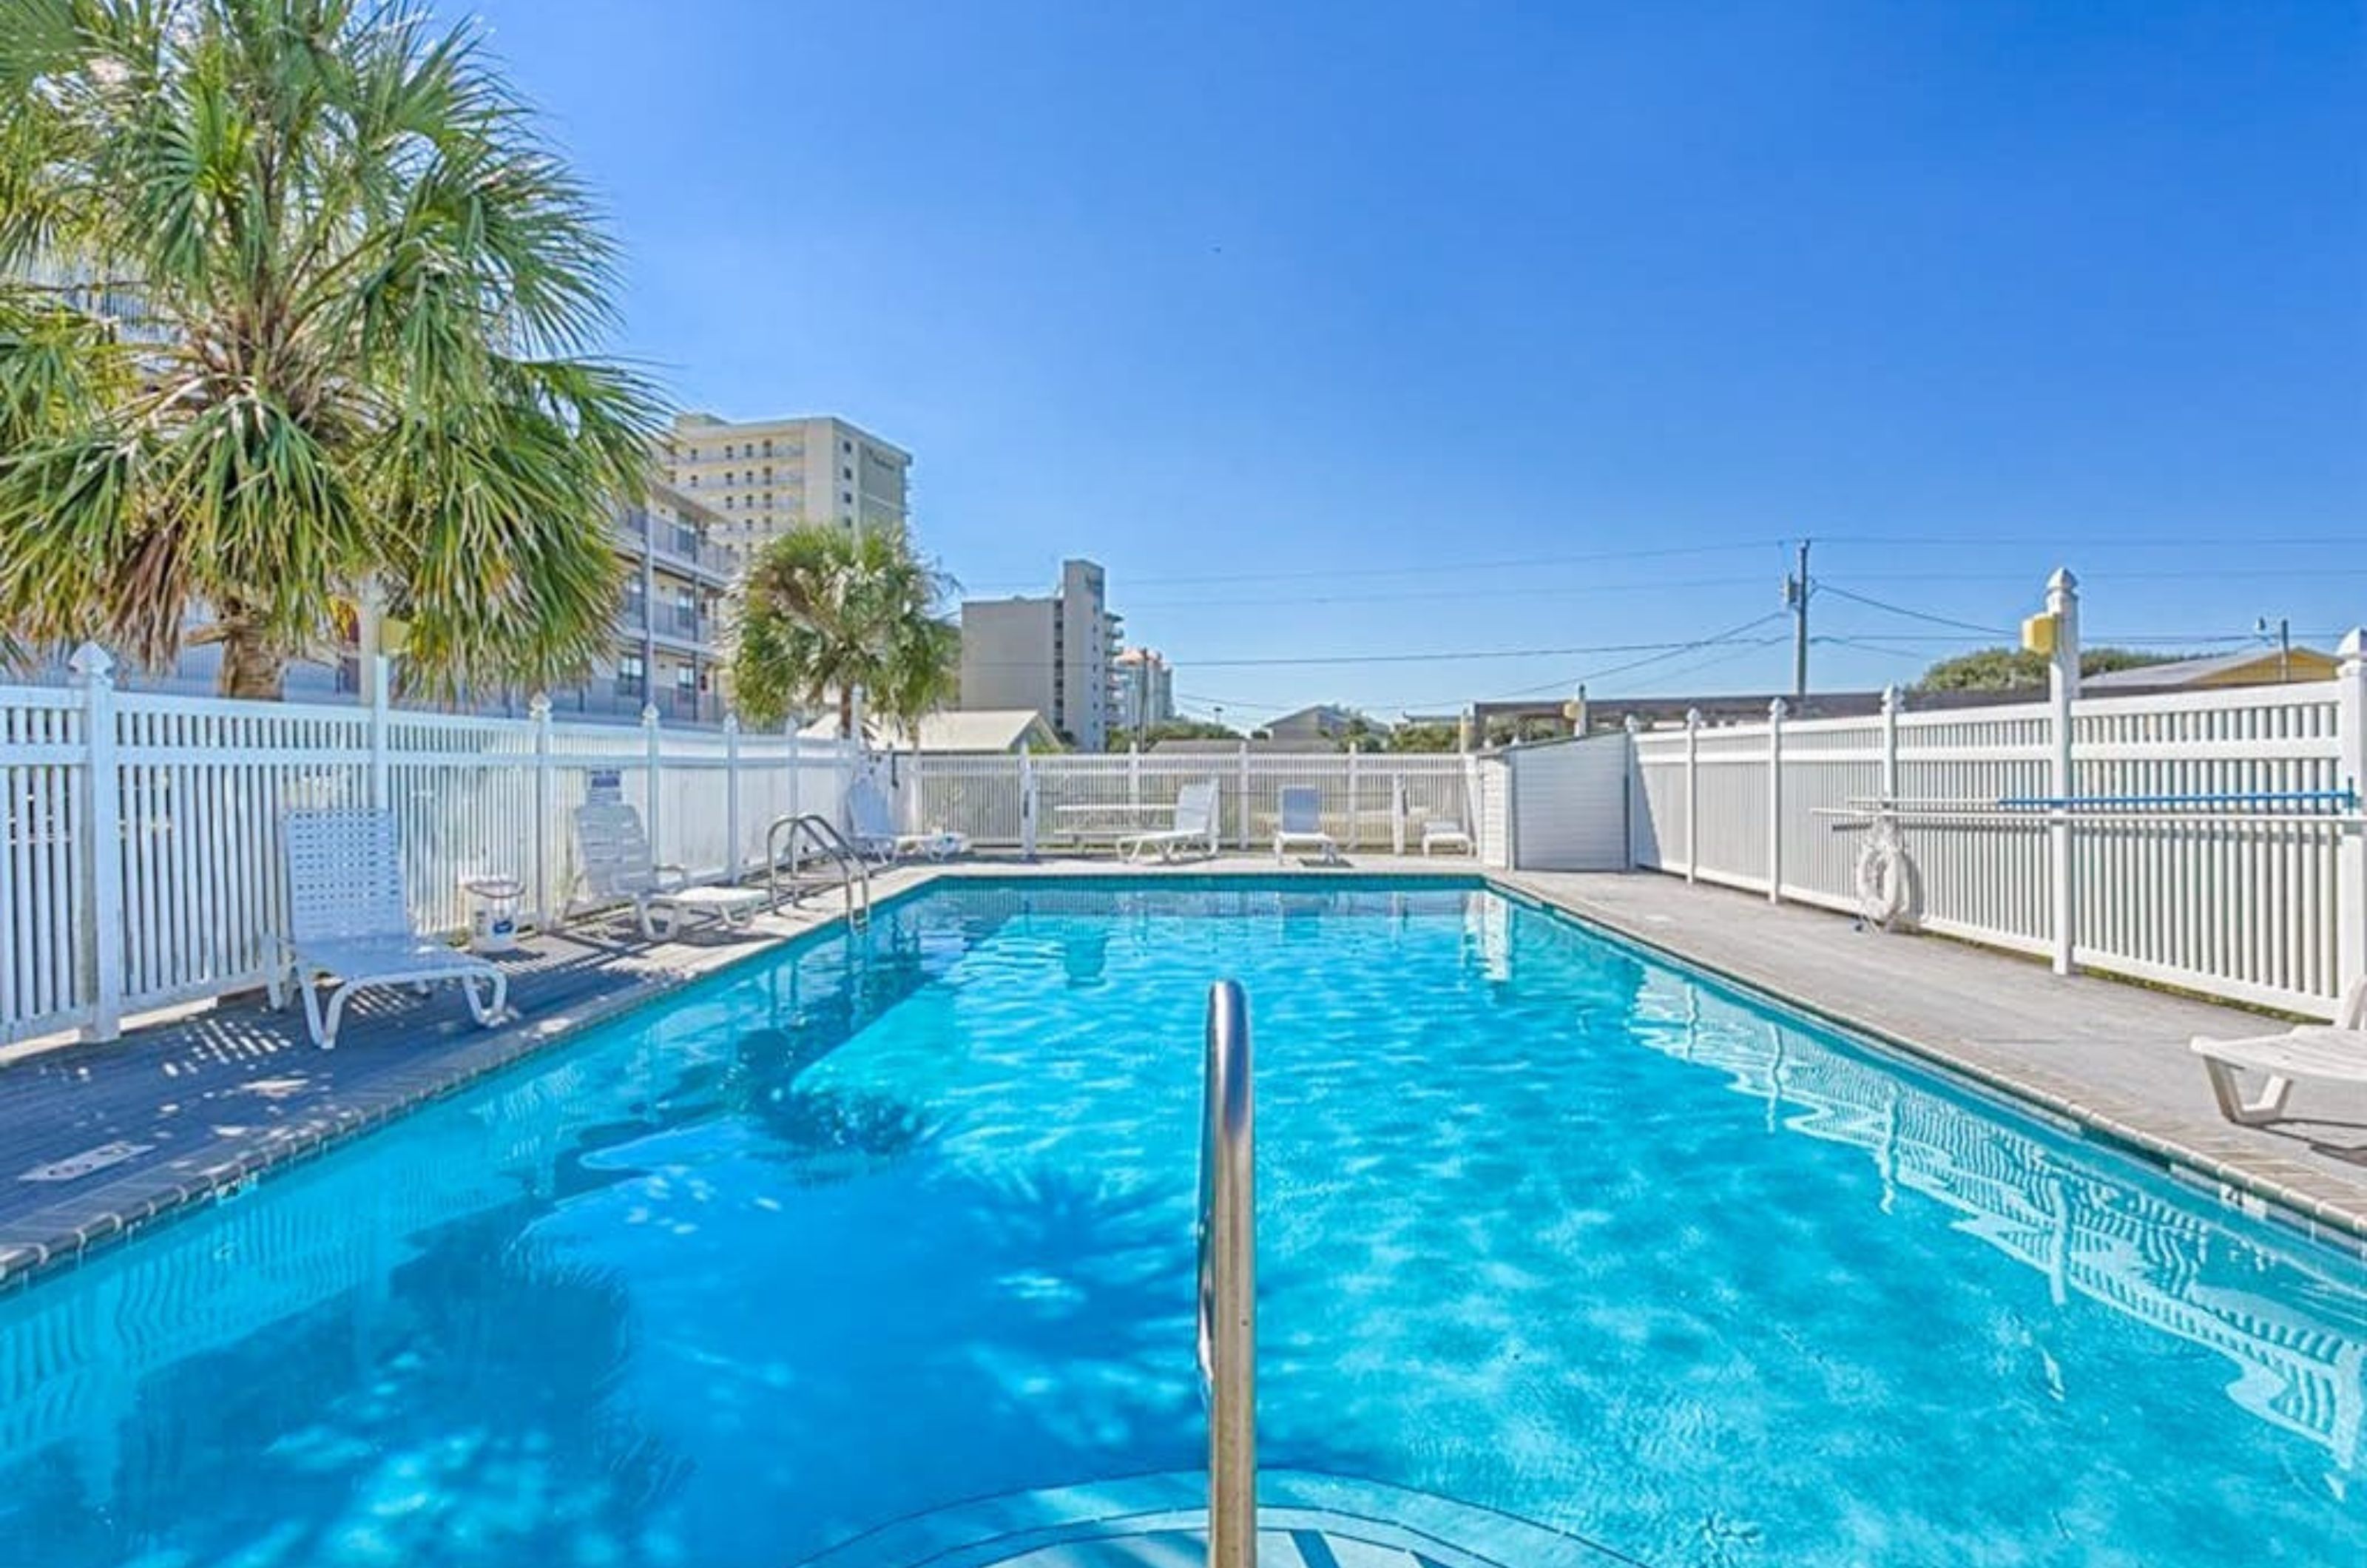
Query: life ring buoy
1885	879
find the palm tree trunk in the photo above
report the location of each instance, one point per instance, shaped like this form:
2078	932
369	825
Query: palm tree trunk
251	668
846	713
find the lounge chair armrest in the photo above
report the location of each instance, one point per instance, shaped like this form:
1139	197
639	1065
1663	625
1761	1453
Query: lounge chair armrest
668	875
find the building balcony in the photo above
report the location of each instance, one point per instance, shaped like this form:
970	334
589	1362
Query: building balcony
674	543
678	624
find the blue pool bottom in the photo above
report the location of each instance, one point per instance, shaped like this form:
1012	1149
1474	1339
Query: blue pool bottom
885	1225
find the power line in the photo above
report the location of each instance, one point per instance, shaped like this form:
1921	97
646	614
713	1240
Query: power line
1673	650
1441	567
1656	585
2065	546
1911	614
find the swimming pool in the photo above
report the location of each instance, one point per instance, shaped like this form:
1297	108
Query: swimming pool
876	1229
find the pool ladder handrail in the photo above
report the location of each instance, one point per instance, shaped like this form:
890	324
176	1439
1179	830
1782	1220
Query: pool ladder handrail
1228	1279
853	869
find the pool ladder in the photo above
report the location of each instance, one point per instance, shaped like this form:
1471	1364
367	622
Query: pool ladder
854	872
1227	1246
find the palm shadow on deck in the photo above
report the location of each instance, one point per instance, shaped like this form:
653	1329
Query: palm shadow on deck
96	1137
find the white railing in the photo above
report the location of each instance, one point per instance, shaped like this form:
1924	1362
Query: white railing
2243	899
179	894
1370	800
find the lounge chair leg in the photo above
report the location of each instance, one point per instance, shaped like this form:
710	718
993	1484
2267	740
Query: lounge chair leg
324	1035
488	1015
328	1035
2230	1092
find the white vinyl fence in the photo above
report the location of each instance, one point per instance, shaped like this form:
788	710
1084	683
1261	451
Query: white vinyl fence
2214	841
1376	801
178	892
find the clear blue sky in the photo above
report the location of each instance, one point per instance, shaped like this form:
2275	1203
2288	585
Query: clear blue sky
1387	329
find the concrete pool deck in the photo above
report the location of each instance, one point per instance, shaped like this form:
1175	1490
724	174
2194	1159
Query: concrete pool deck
188	1106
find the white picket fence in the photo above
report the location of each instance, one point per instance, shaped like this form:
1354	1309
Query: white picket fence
1376	801
2254	898
180	893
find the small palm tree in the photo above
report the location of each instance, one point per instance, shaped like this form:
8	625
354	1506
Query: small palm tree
822	611
297	303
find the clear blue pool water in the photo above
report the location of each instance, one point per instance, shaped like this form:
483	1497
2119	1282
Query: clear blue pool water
857	1231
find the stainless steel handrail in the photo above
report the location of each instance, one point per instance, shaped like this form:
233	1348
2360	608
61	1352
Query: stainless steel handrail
852	867
1228	1239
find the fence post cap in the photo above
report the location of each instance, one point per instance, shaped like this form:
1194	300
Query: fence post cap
92	663
2062	582
1893	698
650	714
732	723
537	707
1692	718
1778	708
2352	649
1631	724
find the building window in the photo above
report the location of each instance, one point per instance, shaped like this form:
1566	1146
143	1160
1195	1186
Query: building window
846	473
846	445
768	446
726	449
846	497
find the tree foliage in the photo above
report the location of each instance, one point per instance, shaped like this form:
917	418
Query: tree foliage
2012	669
1172	729
1426	737
297	298
822	611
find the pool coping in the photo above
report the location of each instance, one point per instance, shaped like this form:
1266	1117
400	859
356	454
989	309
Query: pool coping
2231	1177
111	1212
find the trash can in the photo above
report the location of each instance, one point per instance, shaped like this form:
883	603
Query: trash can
493	913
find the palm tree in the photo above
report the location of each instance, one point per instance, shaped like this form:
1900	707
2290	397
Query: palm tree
298	305
822	611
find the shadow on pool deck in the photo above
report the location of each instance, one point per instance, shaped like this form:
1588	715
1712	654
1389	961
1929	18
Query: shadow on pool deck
200	1101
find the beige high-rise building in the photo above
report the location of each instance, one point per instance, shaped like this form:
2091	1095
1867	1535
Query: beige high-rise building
764	477
1054	655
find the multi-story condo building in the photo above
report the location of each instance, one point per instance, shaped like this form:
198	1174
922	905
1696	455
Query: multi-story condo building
668	649
667	652
765	477
1055	654
1146	690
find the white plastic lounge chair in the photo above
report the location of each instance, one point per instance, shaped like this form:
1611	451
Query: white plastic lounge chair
1445	833
873	830
1194	823
614	852
347	919
1302	825
2335	1053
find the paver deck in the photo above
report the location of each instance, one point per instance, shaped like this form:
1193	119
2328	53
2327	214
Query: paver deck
2111	1055
187	1107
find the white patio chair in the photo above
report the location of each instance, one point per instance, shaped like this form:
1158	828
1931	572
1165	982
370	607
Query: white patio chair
347	919
2332	1052
1194	822
613	850
873	829
1302	826
1445	833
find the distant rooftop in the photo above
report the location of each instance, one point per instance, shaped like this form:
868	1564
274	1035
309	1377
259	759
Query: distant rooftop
2246	667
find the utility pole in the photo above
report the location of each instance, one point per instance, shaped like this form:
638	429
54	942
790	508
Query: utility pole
2285	645
1795	595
